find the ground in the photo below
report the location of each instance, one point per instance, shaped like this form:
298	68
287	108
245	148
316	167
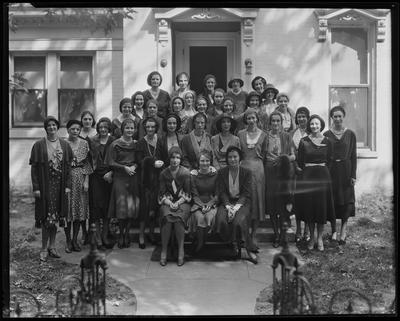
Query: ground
366	263
42	279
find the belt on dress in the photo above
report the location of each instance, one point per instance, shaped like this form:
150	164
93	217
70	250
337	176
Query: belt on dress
314	164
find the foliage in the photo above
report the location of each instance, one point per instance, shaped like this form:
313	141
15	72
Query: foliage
17	82
93	19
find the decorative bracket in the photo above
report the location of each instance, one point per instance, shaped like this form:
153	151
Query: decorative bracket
248	31
205	15
163	29
323	28
381	30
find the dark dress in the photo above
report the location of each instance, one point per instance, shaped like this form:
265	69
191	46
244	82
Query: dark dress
210	125
343	169
140	132
238	229
50	178
173	189
124	199
163	101
149	182
99	189
314	193
239	100
191	149
162	147
116	126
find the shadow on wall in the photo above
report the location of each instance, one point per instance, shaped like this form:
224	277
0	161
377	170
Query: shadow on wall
374	176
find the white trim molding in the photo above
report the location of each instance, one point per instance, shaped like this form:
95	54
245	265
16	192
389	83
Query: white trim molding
351	17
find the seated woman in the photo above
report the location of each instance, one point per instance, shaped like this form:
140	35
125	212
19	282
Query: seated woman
220	143
232	221
174	199
205	200
198	139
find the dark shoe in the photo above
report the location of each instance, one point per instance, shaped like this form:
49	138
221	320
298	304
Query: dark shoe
181	261
76	247
142	245
53	253
68	247
342	242
251	257
276	243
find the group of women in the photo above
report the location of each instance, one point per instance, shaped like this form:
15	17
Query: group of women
210	163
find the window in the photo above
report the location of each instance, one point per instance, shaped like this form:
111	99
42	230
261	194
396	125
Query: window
29	107
76	92
351	80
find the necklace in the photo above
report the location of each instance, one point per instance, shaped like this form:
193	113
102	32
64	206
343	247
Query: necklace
52	140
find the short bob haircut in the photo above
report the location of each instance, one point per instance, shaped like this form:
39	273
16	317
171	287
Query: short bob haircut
125	122
88	112
250	111
175	150
258	78
230	99
220	90
73	122
178	122
337	108
123	102
197	116
151	101
173	100
301	110
218	123
133	98
146	120
178	76
282	94
151	75
206	153
253	94
313	117
233	149
48	120
208	76
274	113
104	120
201	97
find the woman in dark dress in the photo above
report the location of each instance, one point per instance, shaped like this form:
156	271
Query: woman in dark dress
154	80
151	110
147	149
198	139
124	200
215	109
50	162
174	199
170	138
205	200
209	84
232	220
100	181
139	102
315	197
279	143
343	170
237	94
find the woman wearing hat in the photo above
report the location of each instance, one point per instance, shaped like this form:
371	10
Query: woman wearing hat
288	114
315	199
301	119
253	143
50	162
226	126
154	80
209	84
253	101
258	84
343	170
237	94
268	99
182	80
125	108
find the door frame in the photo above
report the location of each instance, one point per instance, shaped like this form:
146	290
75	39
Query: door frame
230	40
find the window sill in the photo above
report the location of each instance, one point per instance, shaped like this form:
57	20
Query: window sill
366	153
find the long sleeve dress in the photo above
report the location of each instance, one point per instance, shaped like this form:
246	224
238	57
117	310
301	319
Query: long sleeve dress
116	125
253	159
314	194
191	149
50	174
163	101
219	146
164	145
80	167
173	189
124	199
203	193
343	169
232	191
99	189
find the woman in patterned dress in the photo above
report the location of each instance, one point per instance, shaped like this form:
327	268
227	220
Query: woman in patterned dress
79	199
315	197
343	170
174	199
154	80
253	143
279	143
122	157
50	162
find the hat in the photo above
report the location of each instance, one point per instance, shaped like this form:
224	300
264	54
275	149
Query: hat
219	121
235	79
270	87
